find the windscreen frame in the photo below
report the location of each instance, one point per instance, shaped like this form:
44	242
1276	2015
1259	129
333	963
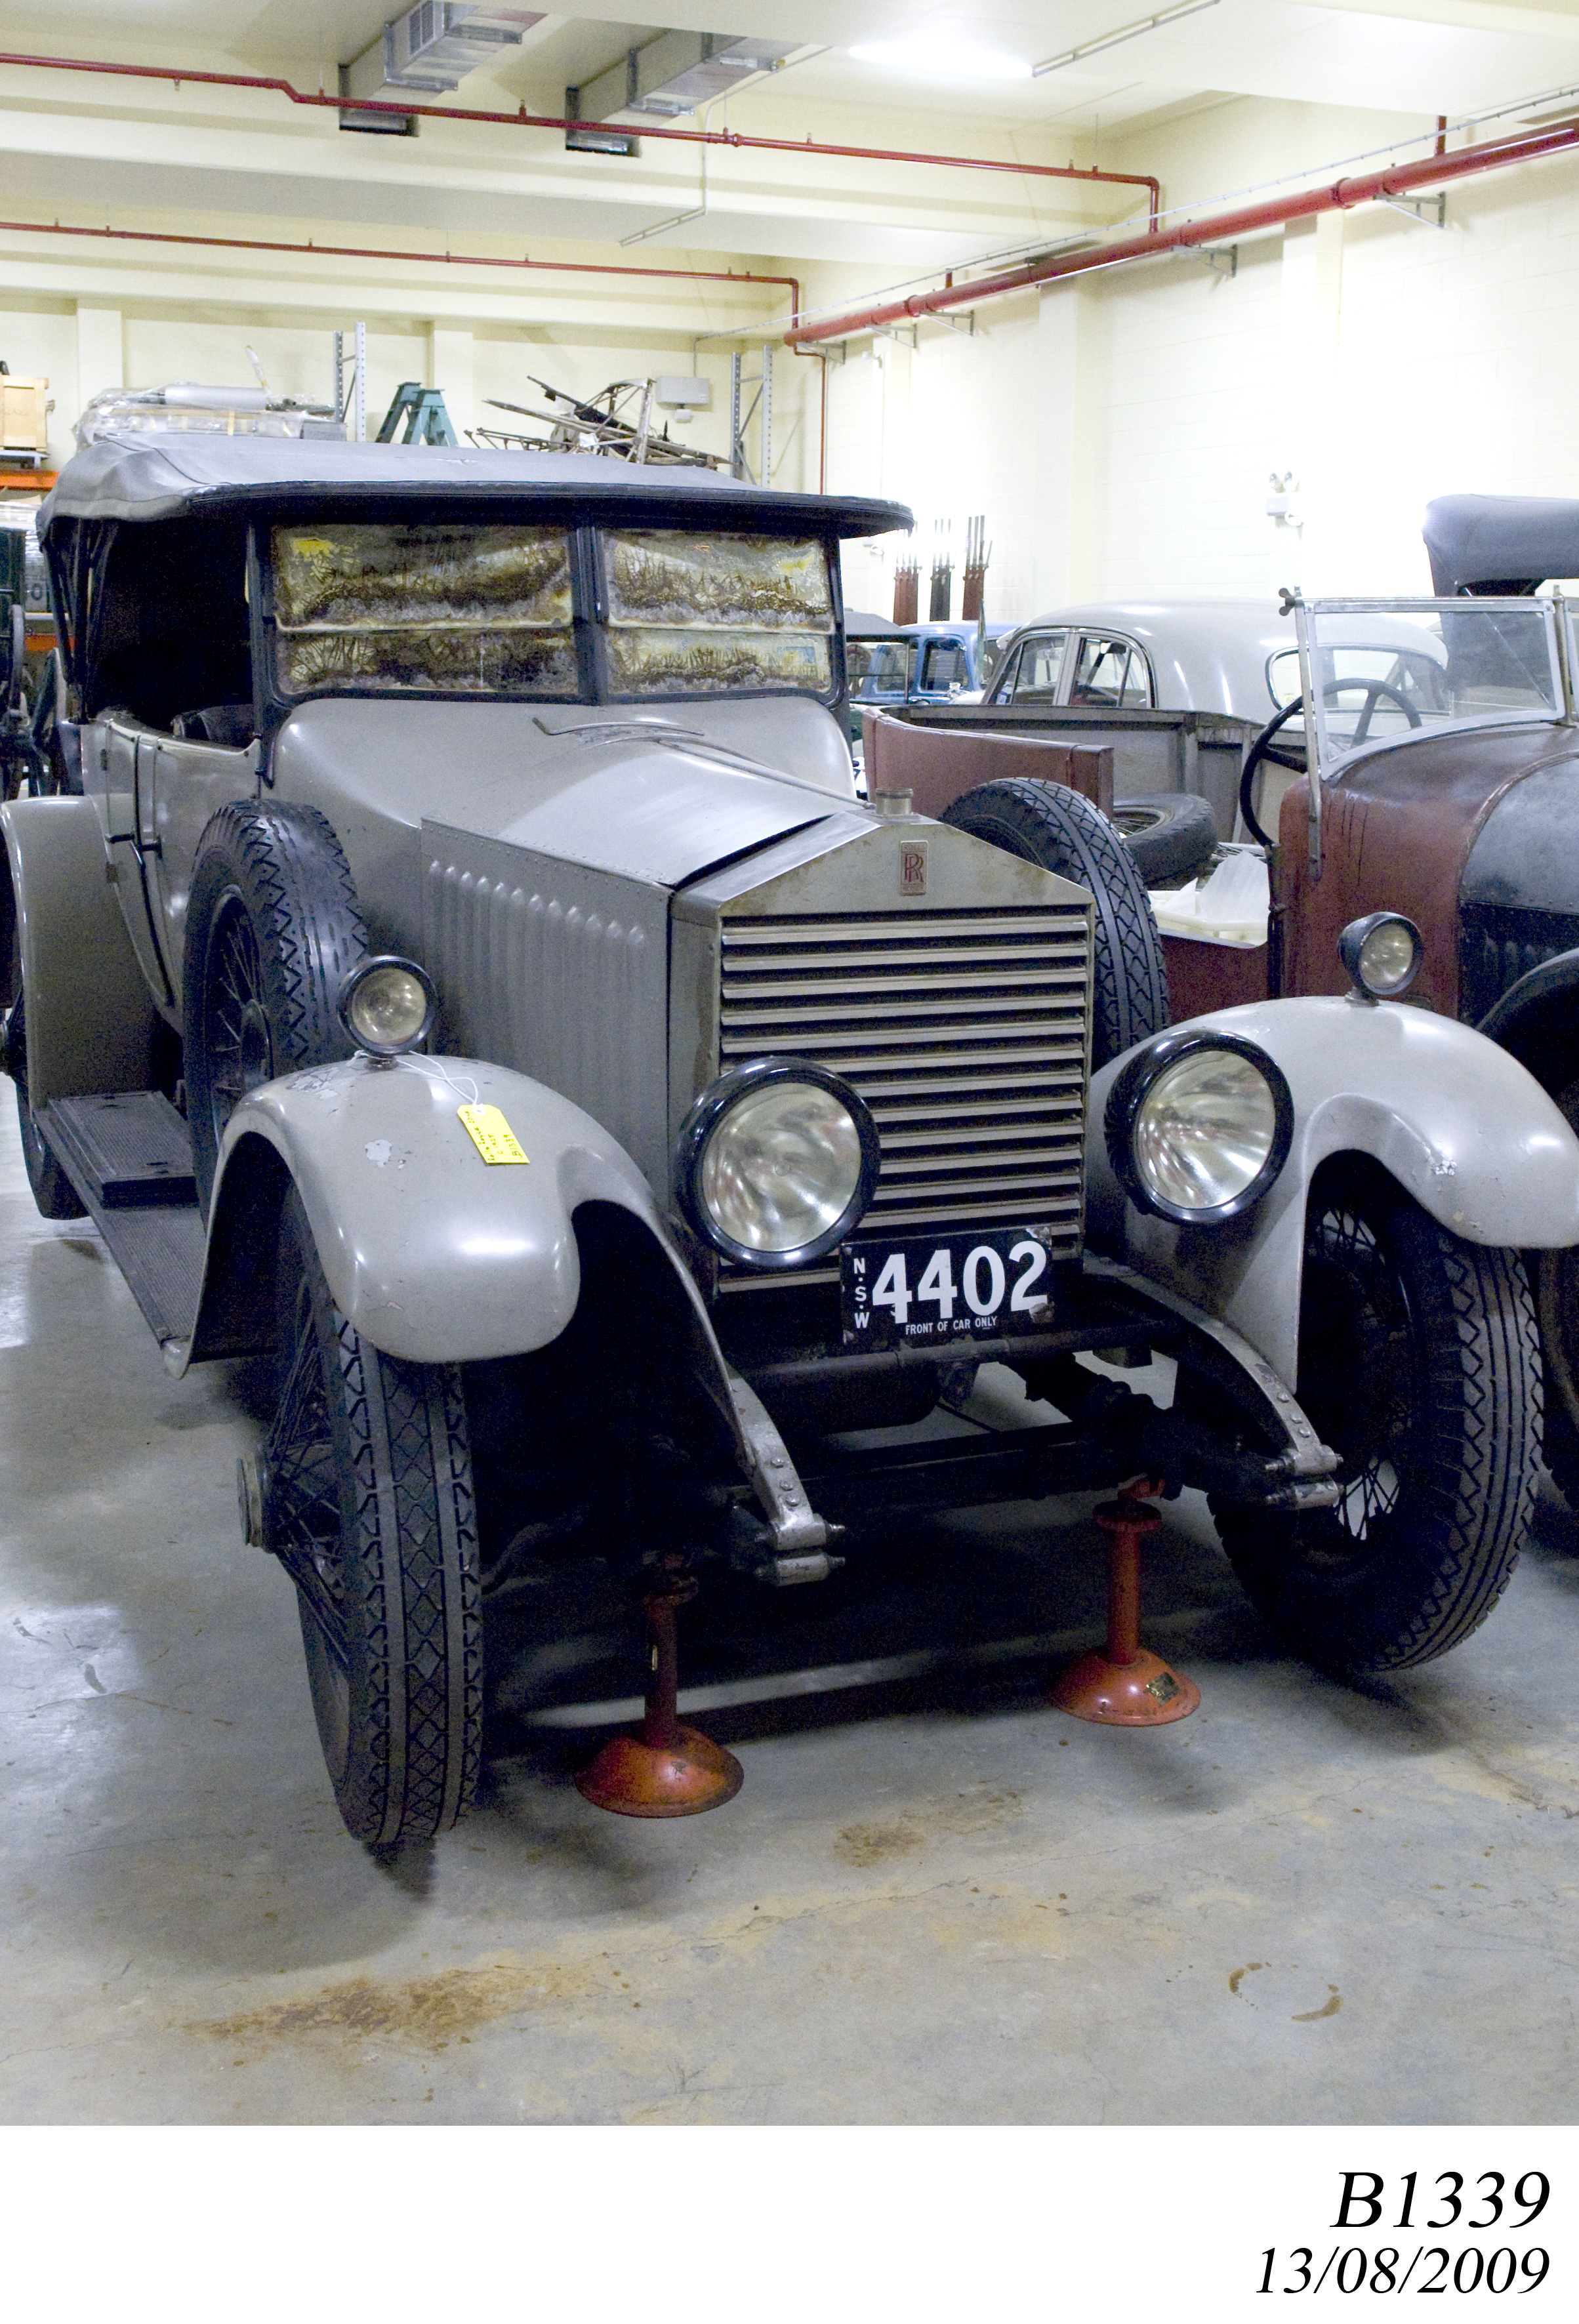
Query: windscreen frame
589	611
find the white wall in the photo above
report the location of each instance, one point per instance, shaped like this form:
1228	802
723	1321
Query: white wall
1119	431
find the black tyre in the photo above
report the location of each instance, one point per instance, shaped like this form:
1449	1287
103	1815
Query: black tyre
272	931
52	1191
1045	823
368	1503
1170	835
1419	1366
1555	1276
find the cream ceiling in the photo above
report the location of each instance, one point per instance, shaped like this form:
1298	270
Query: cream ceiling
120	149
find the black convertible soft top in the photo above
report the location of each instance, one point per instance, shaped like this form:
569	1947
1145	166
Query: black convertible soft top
1488	545
166	473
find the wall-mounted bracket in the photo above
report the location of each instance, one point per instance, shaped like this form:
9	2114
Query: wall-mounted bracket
1220	262
1432	210
967	329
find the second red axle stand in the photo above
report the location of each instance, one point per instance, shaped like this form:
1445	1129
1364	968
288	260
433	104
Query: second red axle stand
1125	1685
666	1769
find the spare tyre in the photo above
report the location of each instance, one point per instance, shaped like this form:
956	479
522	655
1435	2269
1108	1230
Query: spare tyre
1170	835
1043	823
273	932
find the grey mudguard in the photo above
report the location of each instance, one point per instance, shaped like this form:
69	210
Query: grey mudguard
1458	1122
91	1021
434	1254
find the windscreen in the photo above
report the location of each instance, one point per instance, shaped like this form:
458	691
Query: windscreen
711	612
883	669
448	609
1380	671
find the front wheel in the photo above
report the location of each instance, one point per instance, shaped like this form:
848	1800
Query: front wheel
1418	1364
368	1503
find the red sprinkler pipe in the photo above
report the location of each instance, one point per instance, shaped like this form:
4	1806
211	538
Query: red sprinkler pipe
1439	168
523	119
412	257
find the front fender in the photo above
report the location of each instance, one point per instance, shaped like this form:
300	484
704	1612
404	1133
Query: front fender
438	1257
1457	1122
433	1254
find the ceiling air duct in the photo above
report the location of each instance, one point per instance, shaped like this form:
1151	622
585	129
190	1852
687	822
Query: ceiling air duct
430	50
671	75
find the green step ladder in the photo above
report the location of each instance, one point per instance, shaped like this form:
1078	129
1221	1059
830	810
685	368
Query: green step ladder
422	410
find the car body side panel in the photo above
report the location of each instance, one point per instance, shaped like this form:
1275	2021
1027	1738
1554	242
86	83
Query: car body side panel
1526	852
1458	1122
585	783
434	1254
91	1019
1397	828
504	927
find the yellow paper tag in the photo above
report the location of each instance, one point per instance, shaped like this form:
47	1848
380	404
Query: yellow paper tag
491	1134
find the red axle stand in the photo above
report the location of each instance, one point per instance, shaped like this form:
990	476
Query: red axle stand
1126	1685
666	1769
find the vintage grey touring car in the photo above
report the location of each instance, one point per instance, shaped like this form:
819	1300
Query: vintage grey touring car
456	960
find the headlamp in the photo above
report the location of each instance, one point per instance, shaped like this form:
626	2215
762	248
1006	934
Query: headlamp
1382	953
775	1162
387	1005
1198	1126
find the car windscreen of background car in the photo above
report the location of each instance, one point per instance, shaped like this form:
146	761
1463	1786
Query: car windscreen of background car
887	666
476	609
1491	658
709	612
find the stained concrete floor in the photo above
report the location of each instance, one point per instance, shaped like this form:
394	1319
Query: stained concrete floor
936	1899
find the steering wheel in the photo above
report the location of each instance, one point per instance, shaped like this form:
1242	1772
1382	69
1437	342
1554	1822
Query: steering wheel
1261	747
1373	689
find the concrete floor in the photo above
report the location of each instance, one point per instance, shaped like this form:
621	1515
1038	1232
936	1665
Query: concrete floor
936	1900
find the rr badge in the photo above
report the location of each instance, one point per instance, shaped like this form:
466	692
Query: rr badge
912	867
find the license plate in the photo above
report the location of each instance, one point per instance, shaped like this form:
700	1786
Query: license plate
908	1290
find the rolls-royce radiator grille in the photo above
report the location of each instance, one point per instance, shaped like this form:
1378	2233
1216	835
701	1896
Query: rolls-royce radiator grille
964	1032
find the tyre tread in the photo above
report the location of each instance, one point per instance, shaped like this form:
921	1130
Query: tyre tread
1478	1499
1048	824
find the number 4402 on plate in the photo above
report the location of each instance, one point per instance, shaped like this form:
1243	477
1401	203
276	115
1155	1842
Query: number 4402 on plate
900	1291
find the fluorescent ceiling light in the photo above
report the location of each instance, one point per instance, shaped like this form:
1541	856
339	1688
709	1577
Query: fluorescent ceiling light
942	60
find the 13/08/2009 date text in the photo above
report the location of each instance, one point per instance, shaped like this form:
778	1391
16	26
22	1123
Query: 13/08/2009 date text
1366	2201
1429	2267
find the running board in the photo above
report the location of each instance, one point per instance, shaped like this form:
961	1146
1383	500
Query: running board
129	1158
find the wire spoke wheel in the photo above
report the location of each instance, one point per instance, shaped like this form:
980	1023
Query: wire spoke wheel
369	1505
1419	1365
237	1040
1359	1366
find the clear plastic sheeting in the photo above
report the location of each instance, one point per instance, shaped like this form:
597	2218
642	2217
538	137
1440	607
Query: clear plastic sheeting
713	612
1229	907
478	609
1447	662
191	409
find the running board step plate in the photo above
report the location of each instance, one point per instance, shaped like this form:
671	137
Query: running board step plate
131	1149
127	1156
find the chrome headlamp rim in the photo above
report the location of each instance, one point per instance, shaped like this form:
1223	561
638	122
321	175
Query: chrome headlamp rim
1352	943
708	1110
353	984
1134	1085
